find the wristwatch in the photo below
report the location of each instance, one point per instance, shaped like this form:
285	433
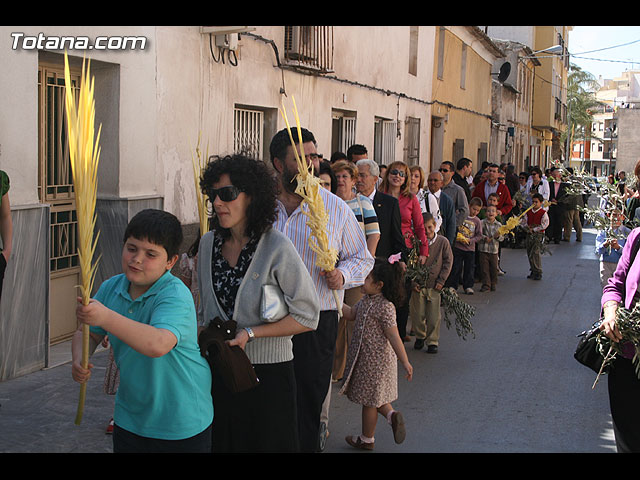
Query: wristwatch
250	333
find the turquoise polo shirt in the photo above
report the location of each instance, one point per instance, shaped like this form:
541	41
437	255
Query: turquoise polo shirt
168	397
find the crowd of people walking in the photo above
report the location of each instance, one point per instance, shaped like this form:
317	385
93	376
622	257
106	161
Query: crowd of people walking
274	330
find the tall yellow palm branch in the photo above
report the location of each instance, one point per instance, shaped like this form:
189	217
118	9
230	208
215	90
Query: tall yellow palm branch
317	218
84	153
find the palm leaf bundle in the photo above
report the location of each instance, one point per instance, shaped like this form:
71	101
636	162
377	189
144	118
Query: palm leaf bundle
308	187
84	153
417	272
462	312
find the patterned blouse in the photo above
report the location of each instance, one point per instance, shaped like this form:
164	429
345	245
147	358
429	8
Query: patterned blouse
227	279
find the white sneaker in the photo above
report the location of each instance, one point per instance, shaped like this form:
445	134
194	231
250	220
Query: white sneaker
500	272
468	291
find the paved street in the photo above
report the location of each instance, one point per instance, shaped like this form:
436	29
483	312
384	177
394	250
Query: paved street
515	388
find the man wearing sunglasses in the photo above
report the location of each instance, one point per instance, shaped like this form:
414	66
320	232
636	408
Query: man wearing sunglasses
313	351
455	192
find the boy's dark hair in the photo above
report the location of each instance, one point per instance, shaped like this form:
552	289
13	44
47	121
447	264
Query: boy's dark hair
392	277
252	177
281	142
538	196
494	195
158	227
475	201
427	217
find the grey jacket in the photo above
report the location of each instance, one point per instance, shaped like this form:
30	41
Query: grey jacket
457	194
275	262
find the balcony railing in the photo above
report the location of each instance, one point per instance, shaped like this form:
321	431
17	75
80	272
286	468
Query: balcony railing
309	47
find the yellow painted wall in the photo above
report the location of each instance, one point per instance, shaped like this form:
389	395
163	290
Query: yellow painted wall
467	117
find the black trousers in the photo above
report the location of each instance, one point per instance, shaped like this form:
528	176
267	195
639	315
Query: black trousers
260	420
463	269
313	362
556	222
3	267
624	400
127	442
402	311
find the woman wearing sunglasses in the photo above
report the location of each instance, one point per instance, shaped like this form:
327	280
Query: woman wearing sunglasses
397	183
244	262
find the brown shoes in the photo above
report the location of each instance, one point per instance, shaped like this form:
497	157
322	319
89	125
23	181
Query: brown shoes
399	433
355	442
397	425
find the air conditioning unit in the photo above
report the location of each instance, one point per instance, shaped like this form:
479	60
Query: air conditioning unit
507	71
225	30
300	42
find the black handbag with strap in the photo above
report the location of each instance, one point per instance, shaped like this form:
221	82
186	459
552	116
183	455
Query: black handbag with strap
587	352
230	362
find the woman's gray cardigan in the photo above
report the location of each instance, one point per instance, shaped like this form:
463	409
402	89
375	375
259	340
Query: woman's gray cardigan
275	262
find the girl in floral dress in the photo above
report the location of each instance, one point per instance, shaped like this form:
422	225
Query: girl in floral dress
371	377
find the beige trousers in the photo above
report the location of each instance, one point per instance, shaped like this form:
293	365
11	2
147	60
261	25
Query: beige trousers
424	312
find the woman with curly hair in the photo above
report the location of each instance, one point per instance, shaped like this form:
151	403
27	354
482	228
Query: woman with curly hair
243	262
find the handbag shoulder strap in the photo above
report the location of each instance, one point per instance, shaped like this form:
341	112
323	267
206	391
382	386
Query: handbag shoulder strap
635	248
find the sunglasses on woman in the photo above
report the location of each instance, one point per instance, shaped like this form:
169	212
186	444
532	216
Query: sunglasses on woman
400	173
226	194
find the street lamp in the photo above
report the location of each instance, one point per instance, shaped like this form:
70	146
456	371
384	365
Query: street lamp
555	50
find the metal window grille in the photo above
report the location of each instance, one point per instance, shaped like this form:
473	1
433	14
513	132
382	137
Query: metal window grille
412	146
248	128
384	151
55	179
309	47
348	132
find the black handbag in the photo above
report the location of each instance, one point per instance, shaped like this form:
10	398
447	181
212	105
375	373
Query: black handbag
231	363
587	352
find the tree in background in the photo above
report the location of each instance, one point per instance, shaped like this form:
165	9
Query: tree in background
581	102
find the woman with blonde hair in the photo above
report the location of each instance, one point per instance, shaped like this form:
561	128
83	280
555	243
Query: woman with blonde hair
417	185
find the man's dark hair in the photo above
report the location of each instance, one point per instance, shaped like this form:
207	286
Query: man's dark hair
337	156
158	227
448	163
356	149
252	177
463	162
281	142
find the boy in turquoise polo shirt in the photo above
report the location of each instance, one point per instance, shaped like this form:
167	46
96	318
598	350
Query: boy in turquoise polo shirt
163	403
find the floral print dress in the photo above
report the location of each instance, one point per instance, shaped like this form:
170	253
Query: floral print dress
372	365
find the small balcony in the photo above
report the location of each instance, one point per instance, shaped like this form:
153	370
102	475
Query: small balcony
309	48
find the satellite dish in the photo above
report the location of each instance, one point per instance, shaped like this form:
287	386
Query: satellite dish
504	72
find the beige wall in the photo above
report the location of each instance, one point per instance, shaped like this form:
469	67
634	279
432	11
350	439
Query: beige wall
471	120
196	94
153	103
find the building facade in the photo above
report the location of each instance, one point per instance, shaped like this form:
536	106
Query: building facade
154	99
462	82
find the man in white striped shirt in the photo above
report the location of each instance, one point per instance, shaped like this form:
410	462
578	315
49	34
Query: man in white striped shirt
313	351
